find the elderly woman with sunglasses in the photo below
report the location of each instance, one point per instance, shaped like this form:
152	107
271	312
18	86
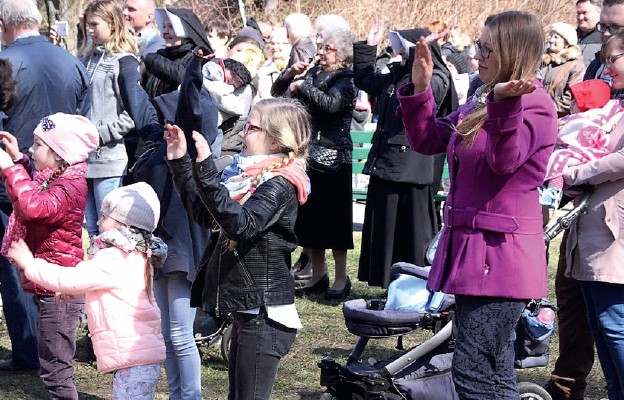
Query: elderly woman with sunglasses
491	253
325	220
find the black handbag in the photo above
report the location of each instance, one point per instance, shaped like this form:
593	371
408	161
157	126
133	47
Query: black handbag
324	159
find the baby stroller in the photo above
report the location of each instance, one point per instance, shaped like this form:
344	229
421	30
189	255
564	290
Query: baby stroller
424	371
211	331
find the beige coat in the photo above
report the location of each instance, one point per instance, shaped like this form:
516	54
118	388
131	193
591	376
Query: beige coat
561	71
595	247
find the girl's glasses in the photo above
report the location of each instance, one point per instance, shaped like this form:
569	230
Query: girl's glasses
250	128
609	61
485	52
326	48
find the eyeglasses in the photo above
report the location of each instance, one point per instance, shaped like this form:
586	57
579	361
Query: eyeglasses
249	128
326	48
485	52
602	28
609	61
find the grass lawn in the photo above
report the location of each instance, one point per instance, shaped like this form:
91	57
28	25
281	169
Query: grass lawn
324	335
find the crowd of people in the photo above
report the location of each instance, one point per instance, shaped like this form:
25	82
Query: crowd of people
197	159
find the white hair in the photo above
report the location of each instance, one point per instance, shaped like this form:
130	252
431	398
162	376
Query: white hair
330	21
20	13
298	25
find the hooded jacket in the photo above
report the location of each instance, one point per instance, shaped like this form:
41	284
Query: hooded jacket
390	157
166	67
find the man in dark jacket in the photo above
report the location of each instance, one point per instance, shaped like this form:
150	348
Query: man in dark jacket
49	80
587	15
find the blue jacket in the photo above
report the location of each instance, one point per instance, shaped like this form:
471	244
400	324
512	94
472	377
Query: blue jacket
49	80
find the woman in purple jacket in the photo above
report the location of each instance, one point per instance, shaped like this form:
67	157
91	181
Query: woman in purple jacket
491	254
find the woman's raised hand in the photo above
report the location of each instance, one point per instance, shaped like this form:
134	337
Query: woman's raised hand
202	146
375	33
422	67
176	142
513	88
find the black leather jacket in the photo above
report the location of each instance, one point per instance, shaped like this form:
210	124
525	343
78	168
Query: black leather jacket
330	99
256	272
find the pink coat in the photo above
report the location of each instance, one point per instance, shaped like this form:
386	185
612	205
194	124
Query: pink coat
493	241
123	321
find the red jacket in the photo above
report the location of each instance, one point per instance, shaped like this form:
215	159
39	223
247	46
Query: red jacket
52	217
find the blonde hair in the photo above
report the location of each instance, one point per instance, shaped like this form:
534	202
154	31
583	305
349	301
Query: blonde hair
517	45
122	39
287	122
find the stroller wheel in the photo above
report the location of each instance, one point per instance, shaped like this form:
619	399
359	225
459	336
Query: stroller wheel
328	395
532	391
225	342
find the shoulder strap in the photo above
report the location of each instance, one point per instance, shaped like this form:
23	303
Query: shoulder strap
559	78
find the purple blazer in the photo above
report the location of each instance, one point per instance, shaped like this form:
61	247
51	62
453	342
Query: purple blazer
492	244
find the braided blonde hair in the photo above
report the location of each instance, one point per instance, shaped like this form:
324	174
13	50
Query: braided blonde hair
287	122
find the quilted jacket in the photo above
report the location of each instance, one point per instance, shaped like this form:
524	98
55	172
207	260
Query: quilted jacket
52	217
124	322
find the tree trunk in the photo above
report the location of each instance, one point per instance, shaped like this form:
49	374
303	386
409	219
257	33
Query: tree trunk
63	10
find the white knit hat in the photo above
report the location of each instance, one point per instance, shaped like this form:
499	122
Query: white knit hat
72	137
566	31
135	205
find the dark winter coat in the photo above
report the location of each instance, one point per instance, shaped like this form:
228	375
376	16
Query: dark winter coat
391	157
256	272
330	99
193	110
165	69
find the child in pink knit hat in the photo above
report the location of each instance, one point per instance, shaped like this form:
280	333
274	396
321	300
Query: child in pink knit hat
48	207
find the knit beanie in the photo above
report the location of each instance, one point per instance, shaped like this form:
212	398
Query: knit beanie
566	31
239	69
134	205
72	137
592	93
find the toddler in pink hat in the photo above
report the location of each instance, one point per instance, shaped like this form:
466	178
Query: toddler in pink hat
48	207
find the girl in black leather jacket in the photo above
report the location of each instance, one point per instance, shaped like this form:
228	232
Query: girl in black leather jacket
252	209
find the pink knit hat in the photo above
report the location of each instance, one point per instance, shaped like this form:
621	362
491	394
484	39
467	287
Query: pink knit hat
72	137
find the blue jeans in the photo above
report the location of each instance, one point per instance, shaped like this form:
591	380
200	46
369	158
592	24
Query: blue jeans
605	313
58	326
259	343
20	312
98	189
173	292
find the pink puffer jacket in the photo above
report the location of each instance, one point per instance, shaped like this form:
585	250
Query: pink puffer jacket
123	320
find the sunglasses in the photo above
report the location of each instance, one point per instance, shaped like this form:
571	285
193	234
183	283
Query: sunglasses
249	128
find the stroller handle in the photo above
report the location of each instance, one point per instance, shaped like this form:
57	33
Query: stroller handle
566	220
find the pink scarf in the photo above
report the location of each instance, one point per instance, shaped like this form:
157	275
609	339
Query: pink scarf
15	229
293	173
